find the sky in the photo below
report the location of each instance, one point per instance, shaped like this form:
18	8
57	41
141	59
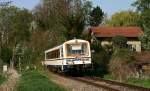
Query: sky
108	6
112	6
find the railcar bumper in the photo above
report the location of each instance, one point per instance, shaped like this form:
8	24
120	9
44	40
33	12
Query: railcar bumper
77	62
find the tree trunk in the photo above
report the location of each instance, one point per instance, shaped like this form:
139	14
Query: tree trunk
12	60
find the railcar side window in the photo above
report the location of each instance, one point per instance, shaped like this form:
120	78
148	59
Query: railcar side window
53	54
62	52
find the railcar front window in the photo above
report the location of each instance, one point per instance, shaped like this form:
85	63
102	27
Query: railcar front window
76	49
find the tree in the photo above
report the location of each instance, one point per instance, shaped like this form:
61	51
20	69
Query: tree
49	12
143	7
74	25
145	39
14	25
48	17
20	28
96	16
124	18
87	8
75	21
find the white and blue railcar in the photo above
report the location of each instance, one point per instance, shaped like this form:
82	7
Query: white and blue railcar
74	52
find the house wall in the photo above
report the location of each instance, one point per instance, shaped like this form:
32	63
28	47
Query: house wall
103	43
135	45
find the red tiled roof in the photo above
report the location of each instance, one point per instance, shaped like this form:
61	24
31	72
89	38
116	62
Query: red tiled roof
114	31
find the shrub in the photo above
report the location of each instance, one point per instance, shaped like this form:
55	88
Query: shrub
119	41
2	79
121	64
6	54
96	46
100	59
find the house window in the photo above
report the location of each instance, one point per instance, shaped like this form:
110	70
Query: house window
132	47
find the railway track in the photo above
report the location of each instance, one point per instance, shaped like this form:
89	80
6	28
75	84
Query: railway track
107	85
110	85
128	86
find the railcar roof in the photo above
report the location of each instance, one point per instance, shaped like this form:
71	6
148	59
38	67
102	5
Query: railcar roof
54	48
69	41
73	40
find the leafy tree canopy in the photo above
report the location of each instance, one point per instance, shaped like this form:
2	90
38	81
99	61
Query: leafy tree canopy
124	18
96	16
14	29
143	6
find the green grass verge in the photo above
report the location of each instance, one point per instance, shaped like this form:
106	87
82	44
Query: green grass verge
2	79
139	82
36	81
134	81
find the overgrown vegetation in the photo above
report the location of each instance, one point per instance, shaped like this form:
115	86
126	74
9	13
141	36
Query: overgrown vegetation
36	81
119	42
122	64
100	59
2	79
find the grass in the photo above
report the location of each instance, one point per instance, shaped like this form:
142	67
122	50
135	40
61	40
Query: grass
36	81
134	81
2	79
139	82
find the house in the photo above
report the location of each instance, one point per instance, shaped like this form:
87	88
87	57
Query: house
105	34
143	62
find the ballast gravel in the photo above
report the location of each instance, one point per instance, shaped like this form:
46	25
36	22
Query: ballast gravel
73	85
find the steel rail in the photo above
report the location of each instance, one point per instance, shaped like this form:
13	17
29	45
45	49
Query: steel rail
95	84
88	82
139	88
93	81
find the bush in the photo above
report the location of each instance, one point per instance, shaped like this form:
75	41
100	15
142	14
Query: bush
96	46
119	41
2	79
36	81
100	59
122	64
100	62
5	55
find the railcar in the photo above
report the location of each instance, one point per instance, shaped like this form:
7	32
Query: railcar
73	53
